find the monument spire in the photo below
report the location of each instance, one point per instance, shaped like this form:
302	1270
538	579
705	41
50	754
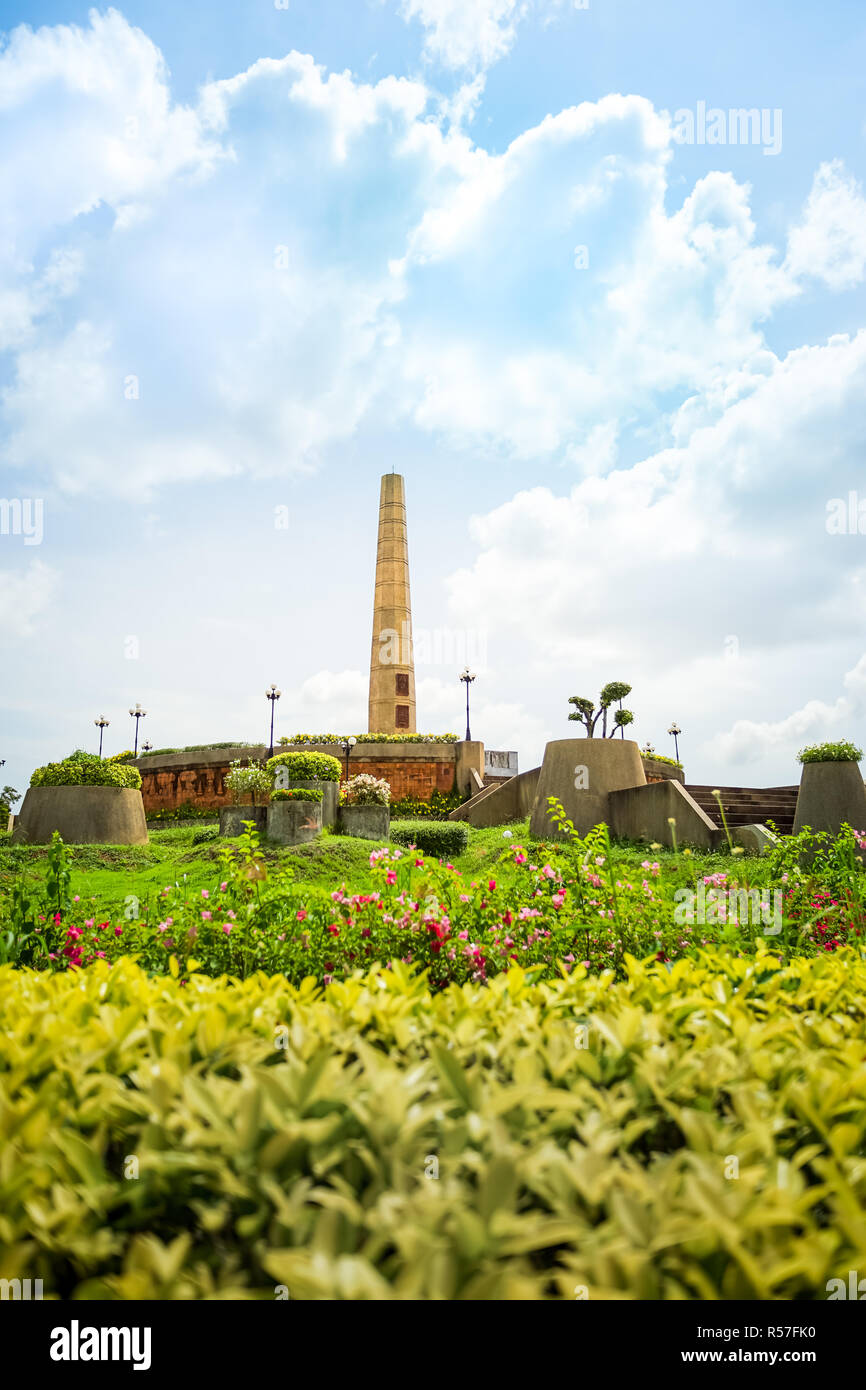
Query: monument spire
392	669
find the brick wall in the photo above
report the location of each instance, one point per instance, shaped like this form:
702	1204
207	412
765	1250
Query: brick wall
169	781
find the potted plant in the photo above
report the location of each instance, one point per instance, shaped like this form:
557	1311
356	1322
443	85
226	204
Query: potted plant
312	772
295	815
831	788
365	807
87	800
248	787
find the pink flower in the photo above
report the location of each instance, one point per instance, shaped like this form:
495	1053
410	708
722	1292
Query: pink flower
227	926
118	931
206	916
391	876
492	885
205	893
301	914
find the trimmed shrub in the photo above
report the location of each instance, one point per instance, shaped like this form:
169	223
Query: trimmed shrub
298	794
441	839
584	1128
246	783
305	767
203	837
842	752
82	769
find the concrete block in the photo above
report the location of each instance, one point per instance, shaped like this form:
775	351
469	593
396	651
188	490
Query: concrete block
365	822
830	794
643	813
294	822
232	819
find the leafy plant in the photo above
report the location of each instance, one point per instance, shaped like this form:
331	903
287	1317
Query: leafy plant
439	807
82	769
582	1129
586	713
842	752
8	797
649	752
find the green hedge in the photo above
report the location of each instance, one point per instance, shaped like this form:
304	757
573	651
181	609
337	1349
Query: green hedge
372	738
306	767
442	839
298	794
686	1134
86	770
438	807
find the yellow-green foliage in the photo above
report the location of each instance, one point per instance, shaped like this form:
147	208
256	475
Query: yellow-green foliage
285	1138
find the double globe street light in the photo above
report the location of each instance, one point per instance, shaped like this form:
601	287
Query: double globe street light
467	677
102	723
136	714
273	695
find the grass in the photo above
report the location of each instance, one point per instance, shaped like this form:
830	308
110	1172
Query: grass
111	874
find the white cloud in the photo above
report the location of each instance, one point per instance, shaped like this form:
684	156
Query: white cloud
25	596
829	243
466	33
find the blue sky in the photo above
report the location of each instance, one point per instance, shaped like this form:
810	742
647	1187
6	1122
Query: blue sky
252	257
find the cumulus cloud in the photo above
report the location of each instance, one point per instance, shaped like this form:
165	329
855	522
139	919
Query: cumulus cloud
466	33
25	596
829	243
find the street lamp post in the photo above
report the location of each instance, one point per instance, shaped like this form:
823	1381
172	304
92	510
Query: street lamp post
273	695
347	751
137	713
675	732
467	677
102	723
146	746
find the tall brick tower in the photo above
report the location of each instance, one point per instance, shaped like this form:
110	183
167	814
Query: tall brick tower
392	668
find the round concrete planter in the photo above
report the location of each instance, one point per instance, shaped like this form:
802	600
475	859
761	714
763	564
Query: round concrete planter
365	822
330	798
82	816
830	794
294	822
581	773
232	819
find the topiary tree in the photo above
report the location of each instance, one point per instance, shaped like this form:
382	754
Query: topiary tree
586	713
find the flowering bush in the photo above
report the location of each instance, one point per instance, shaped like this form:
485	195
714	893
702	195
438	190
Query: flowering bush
842	752
82	769
365	790
247	783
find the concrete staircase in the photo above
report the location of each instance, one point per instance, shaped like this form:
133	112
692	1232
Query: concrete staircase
749	805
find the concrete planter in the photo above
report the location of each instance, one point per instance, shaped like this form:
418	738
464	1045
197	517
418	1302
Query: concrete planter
294	822
232	819
830	794
330	798
365	822
581	773
82	815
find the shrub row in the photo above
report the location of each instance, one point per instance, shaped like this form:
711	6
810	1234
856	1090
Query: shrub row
372	738
298	794
692	1134
305	767
442	839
